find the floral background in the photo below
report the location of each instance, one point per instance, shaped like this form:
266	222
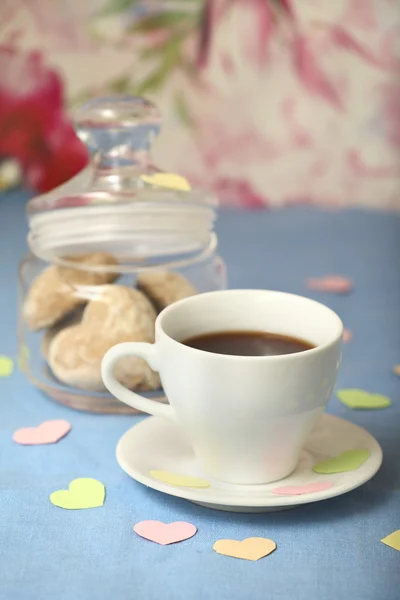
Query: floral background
267	102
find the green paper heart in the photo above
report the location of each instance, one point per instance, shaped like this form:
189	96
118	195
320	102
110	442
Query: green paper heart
360	399
82	493
347	461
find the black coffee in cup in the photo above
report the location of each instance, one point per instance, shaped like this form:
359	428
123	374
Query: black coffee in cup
248	343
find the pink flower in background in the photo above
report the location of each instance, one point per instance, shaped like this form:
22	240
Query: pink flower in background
258	22
57	24
391	47
278	101
362	168
212	13
391	111
312	76
33	127
258	26
361	13
238	192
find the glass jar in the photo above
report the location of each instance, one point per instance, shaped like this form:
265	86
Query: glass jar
108	250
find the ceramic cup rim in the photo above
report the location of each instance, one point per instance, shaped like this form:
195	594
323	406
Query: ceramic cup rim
176	306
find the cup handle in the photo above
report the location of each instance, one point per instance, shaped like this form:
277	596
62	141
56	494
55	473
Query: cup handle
149	353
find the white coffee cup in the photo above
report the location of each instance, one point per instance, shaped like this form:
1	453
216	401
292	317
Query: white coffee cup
246	417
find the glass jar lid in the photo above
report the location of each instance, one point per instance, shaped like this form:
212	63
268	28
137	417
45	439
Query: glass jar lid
121	203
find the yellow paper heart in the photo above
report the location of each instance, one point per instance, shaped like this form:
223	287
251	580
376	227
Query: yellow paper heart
84	492
180	480
248	549
6	366
167	180
392	540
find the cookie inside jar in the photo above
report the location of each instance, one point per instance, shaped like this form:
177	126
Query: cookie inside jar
108	251
82	314
71	315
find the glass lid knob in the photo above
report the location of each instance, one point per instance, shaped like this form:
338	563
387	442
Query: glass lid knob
119	131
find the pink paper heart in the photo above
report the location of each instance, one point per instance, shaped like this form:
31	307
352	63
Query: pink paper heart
48	432
308	488
165	533
336	284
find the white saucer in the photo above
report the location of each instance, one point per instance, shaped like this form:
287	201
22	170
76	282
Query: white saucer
157	444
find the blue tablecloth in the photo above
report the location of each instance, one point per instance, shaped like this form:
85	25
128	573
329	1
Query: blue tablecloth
326	551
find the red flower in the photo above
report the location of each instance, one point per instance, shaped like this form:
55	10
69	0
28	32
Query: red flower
33	127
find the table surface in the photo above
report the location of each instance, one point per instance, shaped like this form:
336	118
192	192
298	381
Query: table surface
326	551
